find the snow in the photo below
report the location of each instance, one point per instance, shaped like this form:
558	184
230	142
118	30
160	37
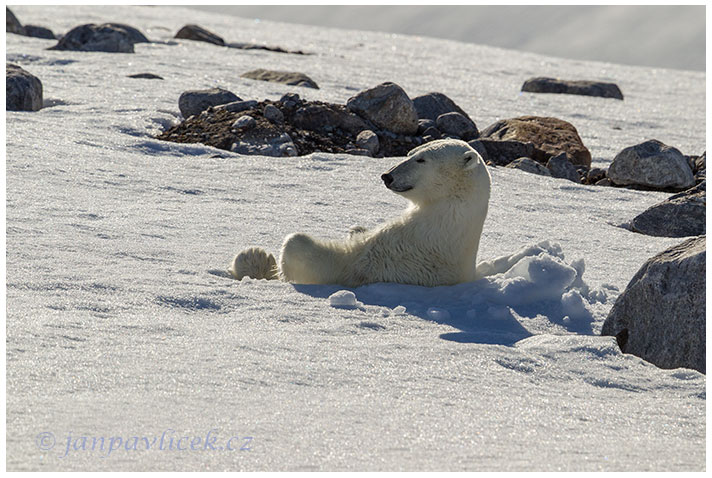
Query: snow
121	321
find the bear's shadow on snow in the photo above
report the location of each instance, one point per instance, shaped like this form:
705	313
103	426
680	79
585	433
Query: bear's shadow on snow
484	323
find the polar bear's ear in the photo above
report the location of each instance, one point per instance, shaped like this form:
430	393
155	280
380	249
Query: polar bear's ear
472	160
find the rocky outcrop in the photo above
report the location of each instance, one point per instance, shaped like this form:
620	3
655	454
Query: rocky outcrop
681	215
388	107
105	38
197	33
251	127
551	136
651	165
23	90
286	77
585	88
196	101
660	317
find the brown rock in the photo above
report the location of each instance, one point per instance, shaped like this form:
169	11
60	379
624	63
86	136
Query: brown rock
550	135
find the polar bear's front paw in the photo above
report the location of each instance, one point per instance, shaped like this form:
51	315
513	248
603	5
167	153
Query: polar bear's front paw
255	263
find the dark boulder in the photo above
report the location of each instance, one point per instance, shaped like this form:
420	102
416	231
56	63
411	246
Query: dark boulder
585	88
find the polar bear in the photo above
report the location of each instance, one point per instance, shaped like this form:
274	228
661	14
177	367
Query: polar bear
433	243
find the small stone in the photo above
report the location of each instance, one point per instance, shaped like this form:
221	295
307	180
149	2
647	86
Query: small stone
561	167
530	166
273	114
603	182
457	125
244	122
368	140
595	175
287	77
195	101
424	124
388	107
39	32
197	33
23	90
145	76
433	133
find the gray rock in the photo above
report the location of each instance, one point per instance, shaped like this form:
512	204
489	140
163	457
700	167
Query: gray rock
273	114
681	215
433	132
432	105
237	106
277	147
660	317
457	125
23	90
196	101
197	33
368	140
244	122
424	125
145	76
595	175
134	34
39	32
290	100
652	165
12	24
561	167
105	38
501	153
603	182
530	166
585	88
388	107
700	163
322	117
292	78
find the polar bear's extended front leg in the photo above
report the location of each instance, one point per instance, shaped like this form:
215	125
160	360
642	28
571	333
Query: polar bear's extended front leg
254	262
305	260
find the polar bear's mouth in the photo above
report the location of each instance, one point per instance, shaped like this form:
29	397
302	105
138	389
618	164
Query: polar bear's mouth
399	189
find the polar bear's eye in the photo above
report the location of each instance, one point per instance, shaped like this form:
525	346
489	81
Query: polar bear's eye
420	160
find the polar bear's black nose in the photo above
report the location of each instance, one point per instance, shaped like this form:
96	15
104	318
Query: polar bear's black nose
387	179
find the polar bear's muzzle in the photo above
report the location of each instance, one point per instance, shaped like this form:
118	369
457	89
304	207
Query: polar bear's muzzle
388	181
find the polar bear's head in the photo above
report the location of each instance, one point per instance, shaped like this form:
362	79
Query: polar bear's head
442	169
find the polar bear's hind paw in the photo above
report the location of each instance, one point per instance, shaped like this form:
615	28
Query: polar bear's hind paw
255	263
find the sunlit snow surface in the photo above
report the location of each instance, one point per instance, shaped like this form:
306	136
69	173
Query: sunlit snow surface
121	322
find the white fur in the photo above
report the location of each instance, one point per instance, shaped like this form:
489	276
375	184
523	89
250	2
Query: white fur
433	243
